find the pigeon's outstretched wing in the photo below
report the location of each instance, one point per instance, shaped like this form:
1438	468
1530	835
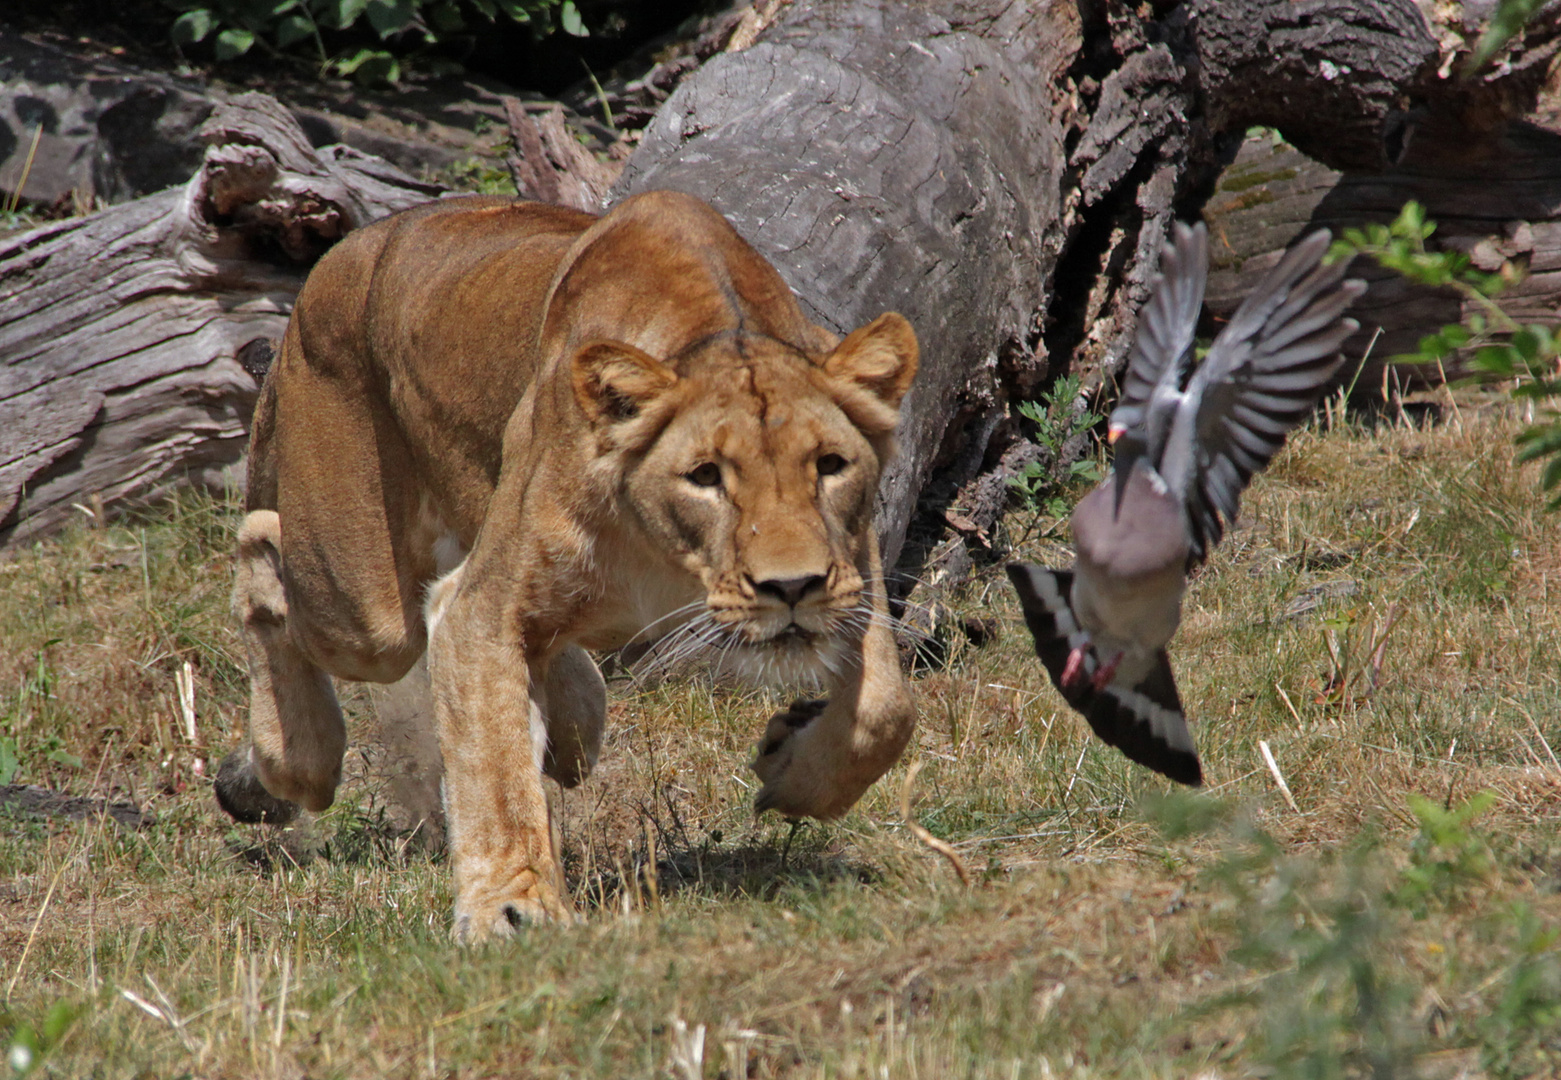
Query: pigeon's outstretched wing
1144	721
1167	323
1262	375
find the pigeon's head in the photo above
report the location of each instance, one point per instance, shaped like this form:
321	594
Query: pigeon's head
1125	420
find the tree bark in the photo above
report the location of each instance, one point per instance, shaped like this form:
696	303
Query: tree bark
123	334
1002	174
1481	153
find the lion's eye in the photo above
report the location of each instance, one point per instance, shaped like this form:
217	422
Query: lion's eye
706	475
830	464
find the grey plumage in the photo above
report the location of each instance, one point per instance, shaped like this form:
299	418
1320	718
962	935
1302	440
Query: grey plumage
1189	436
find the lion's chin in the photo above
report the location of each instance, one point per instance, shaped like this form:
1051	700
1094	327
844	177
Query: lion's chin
789	659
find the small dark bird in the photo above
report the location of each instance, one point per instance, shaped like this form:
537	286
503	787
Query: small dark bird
1188	436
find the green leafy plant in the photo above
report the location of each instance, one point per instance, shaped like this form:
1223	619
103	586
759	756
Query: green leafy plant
1527	354
1520	1035
1059	416
1507	21
1324	934
299	27
1318	932
10	759
31	710
1313	929
1448	859
480	176
27	1044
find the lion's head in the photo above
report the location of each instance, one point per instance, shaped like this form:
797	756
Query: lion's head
753	466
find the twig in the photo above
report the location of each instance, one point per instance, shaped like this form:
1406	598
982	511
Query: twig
649	871
1279	777
922	834
27	167
169	1013
1288	704
1540	735
144	1005
1349	391
1451	400
601	99
1379	647
48	896
1076	766
281	1005
184	680
688	1050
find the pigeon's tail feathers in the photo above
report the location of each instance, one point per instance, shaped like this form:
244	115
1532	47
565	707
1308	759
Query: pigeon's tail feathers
1045	597
1144	721
1147	724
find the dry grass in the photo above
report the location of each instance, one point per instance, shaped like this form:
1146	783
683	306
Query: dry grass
1382	620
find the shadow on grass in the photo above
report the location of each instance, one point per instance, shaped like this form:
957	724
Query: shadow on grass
804	857
757	870
355	838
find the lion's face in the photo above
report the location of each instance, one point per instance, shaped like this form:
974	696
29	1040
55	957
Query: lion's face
754	469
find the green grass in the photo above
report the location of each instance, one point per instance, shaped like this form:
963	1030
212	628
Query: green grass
1383	621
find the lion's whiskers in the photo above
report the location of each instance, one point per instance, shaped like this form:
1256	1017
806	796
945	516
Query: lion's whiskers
682	644
644	634
865	615
726	650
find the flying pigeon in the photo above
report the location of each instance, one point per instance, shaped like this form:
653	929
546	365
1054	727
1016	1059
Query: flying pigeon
1188	438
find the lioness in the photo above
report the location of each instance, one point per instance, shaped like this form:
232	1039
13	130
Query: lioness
610	427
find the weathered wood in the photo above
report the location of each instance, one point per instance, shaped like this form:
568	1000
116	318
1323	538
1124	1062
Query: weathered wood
119	331
550	166
103	131
109	131
1495	194
1334	74
1000	173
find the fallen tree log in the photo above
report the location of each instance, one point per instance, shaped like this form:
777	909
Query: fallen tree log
121	333
1003	174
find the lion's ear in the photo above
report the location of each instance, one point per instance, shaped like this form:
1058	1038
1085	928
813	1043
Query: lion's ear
880	357
614	381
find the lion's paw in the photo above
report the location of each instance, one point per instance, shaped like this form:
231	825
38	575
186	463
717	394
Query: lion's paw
490	919
240	793
791	782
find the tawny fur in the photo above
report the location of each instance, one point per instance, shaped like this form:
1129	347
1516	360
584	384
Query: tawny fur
627	424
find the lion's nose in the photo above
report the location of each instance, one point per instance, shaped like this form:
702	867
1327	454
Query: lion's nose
791	590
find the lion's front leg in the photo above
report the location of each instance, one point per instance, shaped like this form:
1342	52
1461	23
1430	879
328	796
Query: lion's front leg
492	737
818	757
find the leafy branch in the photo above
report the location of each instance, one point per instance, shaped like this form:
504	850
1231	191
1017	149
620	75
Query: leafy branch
292	27
1059	416
1499	346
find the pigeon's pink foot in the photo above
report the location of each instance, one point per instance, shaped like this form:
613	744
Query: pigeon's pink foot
1106	672
1073	671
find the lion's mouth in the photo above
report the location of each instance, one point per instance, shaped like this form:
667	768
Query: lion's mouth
793	634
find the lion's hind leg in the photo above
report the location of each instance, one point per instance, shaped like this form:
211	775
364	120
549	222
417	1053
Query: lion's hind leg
576	699
297	737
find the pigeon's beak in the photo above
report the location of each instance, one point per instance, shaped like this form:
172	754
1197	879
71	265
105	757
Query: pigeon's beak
1113	433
